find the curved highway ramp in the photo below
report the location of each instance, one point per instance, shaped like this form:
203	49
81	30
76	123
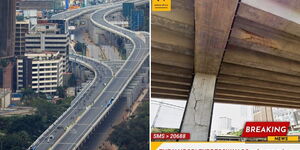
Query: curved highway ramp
98	97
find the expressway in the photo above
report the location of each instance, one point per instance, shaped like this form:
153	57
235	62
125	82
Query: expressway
97	98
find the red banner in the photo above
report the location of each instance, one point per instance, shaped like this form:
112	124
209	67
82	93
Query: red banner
264	129
170	136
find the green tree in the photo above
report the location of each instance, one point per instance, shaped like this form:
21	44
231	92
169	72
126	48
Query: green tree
61	92
72	81
3	62
236	133
80	47
164	130
134	133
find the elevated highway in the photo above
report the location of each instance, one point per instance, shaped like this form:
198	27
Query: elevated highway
98	97
228	51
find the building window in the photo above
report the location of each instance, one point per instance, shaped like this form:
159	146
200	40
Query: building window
33	42
33	37
55	42
55	37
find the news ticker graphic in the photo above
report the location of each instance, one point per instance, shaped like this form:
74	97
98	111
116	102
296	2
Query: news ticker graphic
170	136
161	5
223	146
265	129
283	139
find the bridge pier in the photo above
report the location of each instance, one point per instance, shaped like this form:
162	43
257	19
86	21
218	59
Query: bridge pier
198	112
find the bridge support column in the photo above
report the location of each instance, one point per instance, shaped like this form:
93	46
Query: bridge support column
198	112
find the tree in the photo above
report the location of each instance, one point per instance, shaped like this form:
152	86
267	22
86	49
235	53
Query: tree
236	133
80	47
18	132
61	92
72	81
133	134
3	62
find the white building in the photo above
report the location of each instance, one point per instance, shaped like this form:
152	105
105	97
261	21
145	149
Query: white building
48	37
43	72
224	125
284	114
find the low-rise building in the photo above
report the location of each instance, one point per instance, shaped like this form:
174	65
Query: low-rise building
262	113
43	72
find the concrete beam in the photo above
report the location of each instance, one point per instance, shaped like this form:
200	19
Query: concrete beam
258	97
172	59
198	111
167	24
259	74
264	40
171	70
165	96
170	89
170	85
171	79
256	90
243	81
213	21
254	59
250	101
171	38
275	18
172	48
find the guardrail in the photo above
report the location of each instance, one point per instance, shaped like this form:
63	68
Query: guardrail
77	98
93	101
85	10
90	67
63	115
126	83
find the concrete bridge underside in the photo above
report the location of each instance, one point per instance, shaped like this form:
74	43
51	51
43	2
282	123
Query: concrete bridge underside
229	51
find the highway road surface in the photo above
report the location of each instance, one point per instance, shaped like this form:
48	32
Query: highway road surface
95	100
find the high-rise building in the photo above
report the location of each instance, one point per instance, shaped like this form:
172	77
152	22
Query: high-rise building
43	72
285	114
7	42
262	113
136	21
297	117
49	37
22	28
127	9
224	123
7	28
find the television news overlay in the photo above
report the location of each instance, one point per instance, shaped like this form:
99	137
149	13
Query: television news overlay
223	75
255	136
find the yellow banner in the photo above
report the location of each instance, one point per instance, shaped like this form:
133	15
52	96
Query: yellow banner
161	5
283	138
226	145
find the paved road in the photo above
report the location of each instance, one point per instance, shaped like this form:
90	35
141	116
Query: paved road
93	102
116	86
85	98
